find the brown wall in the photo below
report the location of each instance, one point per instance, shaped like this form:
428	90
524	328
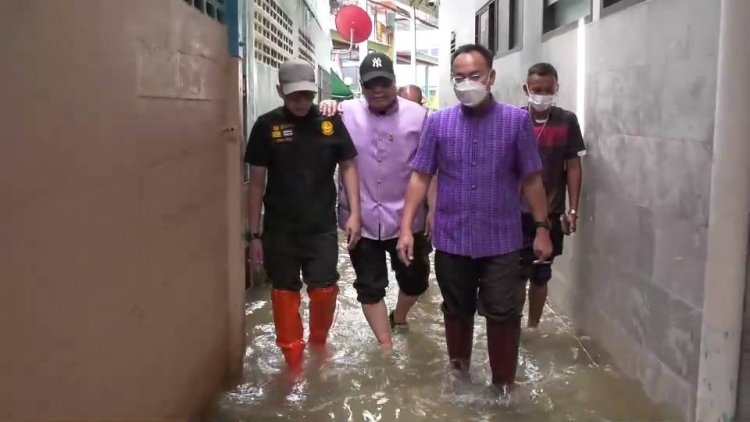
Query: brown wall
113	209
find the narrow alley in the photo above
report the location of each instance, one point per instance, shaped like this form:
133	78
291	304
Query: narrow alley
562	376
133	201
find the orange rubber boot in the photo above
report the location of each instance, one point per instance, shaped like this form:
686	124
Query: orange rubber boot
322	309
288	324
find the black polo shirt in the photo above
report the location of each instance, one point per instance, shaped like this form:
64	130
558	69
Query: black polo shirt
301	155
560	140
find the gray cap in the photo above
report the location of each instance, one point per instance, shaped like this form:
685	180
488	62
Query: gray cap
297	75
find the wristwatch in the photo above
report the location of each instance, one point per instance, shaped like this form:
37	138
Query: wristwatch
542	225
250	236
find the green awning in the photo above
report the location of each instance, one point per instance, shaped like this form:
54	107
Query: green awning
339	90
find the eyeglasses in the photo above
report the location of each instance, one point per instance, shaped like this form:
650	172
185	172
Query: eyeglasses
475	77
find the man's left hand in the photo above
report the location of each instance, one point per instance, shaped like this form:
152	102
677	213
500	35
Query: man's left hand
542	245
353	229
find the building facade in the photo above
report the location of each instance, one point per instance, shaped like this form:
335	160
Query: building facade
275	31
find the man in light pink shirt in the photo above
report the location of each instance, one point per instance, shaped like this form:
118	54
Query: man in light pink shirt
386	130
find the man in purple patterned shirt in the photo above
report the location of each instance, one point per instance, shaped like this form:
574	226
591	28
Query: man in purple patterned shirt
482	150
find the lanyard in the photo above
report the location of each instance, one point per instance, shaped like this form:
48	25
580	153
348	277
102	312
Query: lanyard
544	126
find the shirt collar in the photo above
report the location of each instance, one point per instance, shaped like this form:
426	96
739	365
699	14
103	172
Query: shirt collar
473	112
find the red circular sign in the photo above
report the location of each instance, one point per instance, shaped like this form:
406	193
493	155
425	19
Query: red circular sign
351	17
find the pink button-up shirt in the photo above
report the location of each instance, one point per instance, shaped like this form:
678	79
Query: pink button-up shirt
386	144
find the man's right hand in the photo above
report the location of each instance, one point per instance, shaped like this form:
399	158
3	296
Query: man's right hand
329	108
255	252
542	244
572	221
405	247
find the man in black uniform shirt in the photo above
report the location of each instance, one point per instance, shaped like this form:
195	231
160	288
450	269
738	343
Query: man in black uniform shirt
298	150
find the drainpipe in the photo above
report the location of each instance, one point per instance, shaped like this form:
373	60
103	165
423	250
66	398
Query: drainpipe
233	136
426	91
413	23
364	46
726	261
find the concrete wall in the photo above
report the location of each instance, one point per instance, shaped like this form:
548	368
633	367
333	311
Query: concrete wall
265	97
113	218
743	387
633	277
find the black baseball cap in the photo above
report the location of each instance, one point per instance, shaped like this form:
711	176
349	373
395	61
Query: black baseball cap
376	65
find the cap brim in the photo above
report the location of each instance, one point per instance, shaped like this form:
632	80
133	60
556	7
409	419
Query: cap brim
367	77
290	88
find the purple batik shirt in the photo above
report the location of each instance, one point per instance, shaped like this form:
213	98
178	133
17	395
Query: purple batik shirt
386	143
480	160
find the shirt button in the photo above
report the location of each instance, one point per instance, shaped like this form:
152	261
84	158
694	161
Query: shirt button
380	160
473	163
379	181
474	141
473	186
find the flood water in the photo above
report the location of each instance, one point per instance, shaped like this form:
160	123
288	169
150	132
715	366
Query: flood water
561	376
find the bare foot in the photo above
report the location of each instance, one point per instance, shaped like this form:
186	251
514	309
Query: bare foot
386	348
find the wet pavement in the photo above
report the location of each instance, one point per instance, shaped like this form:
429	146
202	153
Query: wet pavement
561	376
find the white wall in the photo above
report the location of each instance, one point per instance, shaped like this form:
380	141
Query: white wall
264	94
405	75
426	39
459	18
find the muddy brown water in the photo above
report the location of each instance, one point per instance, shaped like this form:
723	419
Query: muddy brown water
561	376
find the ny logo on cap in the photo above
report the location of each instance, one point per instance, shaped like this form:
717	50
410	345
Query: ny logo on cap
377	62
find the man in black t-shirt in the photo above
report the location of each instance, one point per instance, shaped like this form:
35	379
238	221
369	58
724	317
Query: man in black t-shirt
298	150
561	148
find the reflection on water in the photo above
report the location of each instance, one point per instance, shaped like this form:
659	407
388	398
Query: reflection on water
560	378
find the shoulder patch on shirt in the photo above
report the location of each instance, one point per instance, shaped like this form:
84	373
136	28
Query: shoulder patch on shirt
326	127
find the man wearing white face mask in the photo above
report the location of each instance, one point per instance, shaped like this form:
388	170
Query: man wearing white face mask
482	150
561	148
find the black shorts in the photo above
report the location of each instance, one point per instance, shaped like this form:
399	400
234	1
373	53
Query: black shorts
315	255
487	285
539	274
368	260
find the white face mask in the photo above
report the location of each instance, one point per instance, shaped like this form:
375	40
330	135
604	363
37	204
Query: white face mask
541	102
470	93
